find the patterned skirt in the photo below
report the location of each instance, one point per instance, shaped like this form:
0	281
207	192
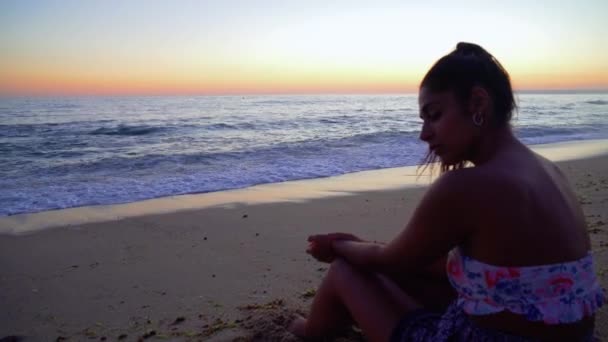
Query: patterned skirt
453	325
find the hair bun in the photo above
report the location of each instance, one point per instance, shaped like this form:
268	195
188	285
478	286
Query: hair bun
470	49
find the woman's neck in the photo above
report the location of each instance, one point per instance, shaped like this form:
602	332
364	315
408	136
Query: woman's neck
492	143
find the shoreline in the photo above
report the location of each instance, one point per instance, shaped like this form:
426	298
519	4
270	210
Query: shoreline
289	191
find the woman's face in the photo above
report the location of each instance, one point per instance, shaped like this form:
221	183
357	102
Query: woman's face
446	127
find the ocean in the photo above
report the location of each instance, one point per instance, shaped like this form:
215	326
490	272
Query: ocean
62	152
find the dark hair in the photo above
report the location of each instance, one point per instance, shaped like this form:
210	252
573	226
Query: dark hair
470	65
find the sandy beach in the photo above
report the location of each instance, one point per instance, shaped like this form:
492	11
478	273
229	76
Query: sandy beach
225	272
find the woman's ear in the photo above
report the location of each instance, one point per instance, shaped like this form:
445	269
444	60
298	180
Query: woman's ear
480	102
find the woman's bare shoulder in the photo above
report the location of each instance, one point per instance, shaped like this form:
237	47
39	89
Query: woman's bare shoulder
480	188
551	166
475	179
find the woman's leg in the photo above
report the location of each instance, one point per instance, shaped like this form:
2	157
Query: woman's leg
431	292
374	302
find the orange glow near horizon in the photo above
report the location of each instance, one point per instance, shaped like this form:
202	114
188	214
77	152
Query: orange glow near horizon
277	82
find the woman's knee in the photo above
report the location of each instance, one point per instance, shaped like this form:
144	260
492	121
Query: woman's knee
342	271
338	267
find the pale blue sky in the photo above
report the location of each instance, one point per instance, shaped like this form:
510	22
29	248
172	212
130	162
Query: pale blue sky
305	35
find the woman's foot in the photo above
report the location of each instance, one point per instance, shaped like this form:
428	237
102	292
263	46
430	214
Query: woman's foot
298	326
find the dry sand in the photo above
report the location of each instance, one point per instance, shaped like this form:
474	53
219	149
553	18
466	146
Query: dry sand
223	273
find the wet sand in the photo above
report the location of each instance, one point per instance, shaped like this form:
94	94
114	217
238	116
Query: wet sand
224	272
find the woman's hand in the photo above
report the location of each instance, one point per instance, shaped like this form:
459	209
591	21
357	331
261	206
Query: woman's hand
320	246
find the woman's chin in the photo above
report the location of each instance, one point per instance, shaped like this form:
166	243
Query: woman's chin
449	160
445	159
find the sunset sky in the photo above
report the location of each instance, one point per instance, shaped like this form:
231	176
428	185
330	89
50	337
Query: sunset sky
253	47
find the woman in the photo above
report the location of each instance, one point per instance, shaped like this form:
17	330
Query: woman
509	229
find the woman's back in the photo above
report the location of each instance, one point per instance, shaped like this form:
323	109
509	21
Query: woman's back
528	216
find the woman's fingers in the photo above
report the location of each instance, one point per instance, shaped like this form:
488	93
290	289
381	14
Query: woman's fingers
311	247
320	249
320	245
333	236
313	237
342	236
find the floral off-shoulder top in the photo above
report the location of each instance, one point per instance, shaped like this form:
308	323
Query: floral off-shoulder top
555	293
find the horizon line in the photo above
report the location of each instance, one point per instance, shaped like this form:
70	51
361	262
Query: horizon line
303	93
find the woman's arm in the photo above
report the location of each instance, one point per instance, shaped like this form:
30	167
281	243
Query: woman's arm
321	246
441	221
362	254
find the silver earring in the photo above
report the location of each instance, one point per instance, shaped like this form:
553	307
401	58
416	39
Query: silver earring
478	119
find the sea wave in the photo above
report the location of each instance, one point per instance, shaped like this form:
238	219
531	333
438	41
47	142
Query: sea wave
116	150
128	130
227	126
28	130
597	102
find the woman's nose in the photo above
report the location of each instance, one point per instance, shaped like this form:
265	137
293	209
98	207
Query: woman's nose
425	133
